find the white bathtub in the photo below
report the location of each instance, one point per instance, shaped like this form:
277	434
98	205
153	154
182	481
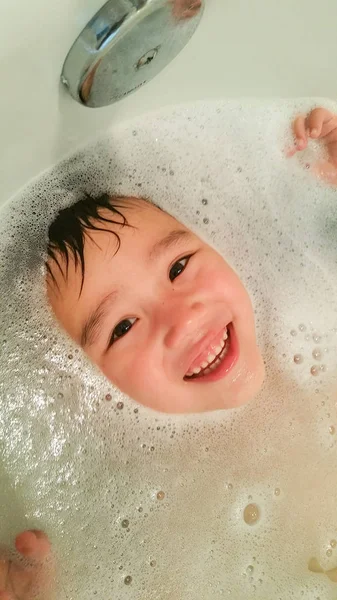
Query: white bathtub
242	48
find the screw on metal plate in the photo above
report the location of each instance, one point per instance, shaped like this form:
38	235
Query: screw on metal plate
147	58
103	65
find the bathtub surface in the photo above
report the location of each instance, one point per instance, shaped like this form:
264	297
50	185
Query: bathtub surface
265	48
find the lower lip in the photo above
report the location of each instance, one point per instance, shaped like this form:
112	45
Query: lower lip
227	362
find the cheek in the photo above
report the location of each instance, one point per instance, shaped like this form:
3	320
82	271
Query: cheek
223	281
135	372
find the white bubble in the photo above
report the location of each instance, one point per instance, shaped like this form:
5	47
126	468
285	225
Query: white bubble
316	354
251	514
78	455
298	359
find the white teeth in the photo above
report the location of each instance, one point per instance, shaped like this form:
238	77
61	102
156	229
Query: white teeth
214	366
206	366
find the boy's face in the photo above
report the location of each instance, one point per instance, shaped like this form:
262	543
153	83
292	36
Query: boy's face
165	318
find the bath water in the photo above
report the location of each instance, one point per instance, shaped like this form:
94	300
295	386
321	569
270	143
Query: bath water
235	504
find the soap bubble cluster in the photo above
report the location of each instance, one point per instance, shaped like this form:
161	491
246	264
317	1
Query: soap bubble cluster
135	505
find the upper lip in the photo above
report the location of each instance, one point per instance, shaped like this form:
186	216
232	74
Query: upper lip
201	346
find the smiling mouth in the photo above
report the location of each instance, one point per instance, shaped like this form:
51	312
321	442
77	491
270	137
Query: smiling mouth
214	359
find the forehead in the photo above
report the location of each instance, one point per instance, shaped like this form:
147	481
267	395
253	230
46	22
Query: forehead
113	253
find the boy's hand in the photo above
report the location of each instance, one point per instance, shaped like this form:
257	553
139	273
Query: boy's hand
319	124
185	9
30	581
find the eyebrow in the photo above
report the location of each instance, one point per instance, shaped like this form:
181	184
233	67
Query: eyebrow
171	239
93	324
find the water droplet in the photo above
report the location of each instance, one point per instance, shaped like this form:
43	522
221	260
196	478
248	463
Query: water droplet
329	552
135	410
108	397
314	370
140	509
302	327
332	429
323	368
120	405
152	448
317	338
229	486
160	495
277	491
333	543
171	172
307	337
60	396
153	563
204	201
70	356
251	514
293	332
206	220
307	165
134	132
125	523
316	354
128	580
250	569
298	359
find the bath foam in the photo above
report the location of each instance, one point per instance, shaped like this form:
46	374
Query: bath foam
150	507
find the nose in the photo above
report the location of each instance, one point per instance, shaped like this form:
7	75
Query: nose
182	320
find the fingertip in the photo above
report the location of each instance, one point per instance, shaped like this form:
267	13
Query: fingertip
314	133
25	542
32	544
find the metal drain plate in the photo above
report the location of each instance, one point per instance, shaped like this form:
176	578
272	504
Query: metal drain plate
125	45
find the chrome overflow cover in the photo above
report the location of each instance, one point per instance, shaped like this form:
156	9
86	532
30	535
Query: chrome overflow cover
125	45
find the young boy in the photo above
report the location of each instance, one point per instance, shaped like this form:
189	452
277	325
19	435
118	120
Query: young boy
158	310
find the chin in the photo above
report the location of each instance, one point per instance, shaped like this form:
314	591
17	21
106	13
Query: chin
245	388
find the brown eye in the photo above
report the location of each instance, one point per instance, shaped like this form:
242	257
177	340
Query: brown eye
121	329
178	268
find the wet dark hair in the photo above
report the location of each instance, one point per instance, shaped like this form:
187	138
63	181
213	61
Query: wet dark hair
66	234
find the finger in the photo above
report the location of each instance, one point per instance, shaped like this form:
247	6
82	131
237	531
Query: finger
317	118
33	544
326	171
290	152
4	566
333	152
299	128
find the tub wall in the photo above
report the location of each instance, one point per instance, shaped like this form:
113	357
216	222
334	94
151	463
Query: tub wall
242	48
